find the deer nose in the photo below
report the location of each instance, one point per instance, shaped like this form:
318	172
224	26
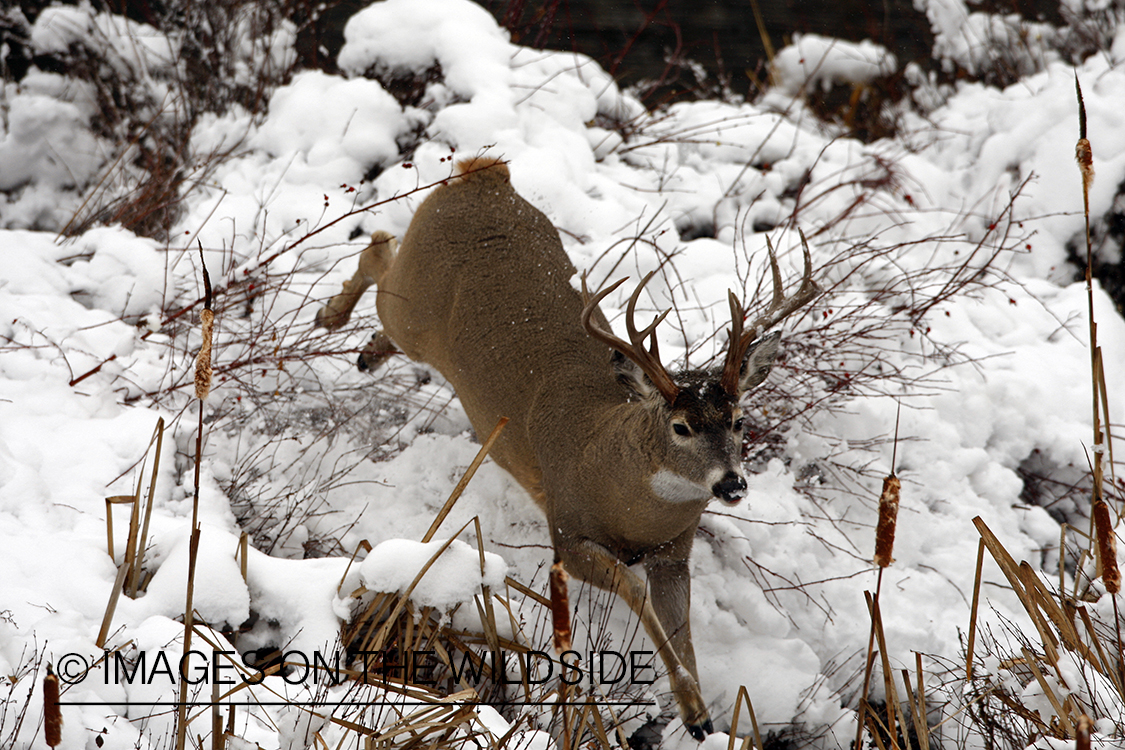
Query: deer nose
729	489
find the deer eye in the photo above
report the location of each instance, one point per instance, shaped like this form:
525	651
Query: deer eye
681	429
738	424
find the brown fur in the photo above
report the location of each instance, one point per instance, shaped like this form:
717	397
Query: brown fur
476	167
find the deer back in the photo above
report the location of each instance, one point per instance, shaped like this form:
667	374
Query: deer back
481	290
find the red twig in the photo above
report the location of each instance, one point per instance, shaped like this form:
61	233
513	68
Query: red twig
94	371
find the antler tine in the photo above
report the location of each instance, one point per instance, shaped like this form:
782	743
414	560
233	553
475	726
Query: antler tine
638	339
647	359
592	304
775	273
736	346
779	309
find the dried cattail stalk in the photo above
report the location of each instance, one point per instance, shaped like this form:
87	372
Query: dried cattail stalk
203	361
560	608
1083	152
1083	739
888	516
52	714
1107	547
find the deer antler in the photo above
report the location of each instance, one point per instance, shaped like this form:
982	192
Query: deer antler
779	309
647	359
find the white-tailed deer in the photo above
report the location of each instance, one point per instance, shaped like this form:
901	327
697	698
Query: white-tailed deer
621	455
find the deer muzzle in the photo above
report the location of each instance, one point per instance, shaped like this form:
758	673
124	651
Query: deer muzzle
730	489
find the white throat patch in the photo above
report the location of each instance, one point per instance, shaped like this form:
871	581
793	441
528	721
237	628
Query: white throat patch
674	488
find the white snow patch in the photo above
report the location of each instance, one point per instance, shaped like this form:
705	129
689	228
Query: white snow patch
454	576
818	61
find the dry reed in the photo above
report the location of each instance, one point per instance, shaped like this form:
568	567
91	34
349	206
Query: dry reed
744	697
884	556
203	378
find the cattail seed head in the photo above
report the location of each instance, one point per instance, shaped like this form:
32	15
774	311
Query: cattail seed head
1107	547
888	516
560	608
1085	156
52	714
203	361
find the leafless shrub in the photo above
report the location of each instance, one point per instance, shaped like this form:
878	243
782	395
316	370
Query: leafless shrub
147	99
1005	46
20	694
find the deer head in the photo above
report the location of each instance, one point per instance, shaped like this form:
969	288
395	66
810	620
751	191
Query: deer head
701	408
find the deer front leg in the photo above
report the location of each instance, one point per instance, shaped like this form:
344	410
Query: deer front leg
669	585
596	565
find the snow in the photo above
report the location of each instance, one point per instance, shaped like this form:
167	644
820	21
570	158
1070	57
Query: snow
413	35
993	380
46	136
220	596
450	577
307	131
815	60
58	28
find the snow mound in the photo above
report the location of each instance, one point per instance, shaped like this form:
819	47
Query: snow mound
818	61
453	575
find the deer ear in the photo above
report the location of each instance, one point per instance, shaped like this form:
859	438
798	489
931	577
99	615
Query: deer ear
630	375
759	360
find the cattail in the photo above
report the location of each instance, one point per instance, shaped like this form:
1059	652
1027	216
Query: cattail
52	714
203	361
207	318
888	516
560	608
1085	156
1107	547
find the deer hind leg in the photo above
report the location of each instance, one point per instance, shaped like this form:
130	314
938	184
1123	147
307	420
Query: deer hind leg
596	565
374	261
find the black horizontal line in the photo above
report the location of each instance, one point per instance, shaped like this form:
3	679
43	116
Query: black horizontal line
315	704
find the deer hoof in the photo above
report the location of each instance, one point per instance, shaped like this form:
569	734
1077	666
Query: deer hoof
377	351
699	732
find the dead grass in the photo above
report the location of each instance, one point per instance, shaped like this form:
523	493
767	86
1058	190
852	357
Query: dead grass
389	703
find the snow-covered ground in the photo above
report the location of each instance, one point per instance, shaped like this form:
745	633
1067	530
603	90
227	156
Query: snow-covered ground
308	454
